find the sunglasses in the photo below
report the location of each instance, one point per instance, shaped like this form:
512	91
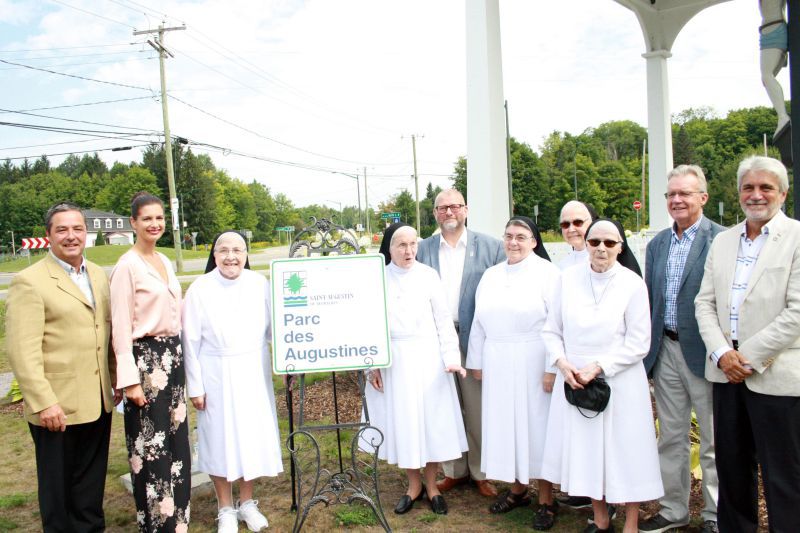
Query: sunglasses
577	223
594	243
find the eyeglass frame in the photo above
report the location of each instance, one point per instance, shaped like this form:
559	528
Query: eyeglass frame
604	241
519	238
455	208
681	194
225	252
572	223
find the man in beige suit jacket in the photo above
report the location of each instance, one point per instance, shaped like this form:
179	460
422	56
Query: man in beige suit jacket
748	311
57	330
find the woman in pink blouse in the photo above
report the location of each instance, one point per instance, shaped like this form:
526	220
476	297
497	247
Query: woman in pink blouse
146	326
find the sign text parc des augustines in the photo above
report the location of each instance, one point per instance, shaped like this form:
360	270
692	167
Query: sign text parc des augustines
329	314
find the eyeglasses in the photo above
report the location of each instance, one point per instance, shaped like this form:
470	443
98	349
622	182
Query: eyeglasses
577	223
224	252
455	208
520	238
681	194
594	243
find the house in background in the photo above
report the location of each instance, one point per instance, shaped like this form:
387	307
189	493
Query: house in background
116	228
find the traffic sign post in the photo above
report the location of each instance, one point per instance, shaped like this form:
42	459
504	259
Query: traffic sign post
637	205
393	216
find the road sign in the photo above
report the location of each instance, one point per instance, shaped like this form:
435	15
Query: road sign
34	243
284	228
390	215
637	205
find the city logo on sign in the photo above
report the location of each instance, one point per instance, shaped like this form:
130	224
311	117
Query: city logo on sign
295	287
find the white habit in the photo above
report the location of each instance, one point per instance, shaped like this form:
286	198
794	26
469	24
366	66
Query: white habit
511	307
574	257
226	335
418	410
604	319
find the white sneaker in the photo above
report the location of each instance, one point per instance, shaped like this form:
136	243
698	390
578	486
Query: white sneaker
250	515
226	521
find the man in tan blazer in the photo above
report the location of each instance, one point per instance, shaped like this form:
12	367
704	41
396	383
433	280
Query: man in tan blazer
748	311
57	330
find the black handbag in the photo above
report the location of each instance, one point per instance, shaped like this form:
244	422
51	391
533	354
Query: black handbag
594	396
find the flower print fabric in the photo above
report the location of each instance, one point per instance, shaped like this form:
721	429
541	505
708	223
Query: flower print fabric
157	437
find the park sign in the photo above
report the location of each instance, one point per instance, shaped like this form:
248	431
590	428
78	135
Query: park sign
34	243
390	215
329	314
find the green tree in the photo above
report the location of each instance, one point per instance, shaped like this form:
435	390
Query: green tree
117	194
265	211
404	204
100	240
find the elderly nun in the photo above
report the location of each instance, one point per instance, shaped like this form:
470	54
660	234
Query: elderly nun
226	324
416	397
600	327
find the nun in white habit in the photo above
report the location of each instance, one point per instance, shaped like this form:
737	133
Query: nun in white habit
226	325
600	326
416	403
507	353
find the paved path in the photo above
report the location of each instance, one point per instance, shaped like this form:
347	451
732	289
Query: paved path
5	383
258	257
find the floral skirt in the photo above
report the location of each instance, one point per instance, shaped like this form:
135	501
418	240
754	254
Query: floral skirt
157	437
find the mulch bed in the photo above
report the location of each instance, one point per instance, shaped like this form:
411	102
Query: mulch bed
319	406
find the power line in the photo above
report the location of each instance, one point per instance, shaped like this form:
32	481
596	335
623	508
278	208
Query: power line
48	144
63	48
74	76
99	134
159	13
257	134
120	52
114	149
84	104
236	80
78	121
87	63
92	13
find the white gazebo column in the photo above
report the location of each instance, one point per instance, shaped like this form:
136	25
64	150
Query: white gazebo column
659	128
487	176
661	22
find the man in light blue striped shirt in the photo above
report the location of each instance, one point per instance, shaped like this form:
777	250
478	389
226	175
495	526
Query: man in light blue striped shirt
673	273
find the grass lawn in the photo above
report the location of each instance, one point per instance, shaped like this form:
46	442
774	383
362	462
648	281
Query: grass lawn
101	255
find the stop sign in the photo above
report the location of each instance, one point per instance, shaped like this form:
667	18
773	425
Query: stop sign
637	205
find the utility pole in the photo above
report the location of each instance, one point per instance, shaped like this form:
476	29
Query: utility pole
158	45
508	165
644	158
416	176
366	204
13	246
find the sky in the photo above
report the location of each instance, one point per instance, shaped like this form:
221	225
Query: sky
304	95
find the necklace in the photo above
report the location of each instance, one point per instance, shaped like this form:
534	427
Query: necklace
591	284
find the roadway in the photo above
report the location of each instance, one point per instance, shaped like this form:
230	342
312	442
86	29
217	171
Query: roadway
258	257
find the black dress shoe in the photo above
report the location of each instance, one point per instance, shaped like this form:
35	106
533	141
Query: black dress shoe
438	505
406	503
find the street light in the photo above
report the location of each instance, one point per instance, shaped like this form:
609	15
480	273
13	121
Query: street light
358	189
